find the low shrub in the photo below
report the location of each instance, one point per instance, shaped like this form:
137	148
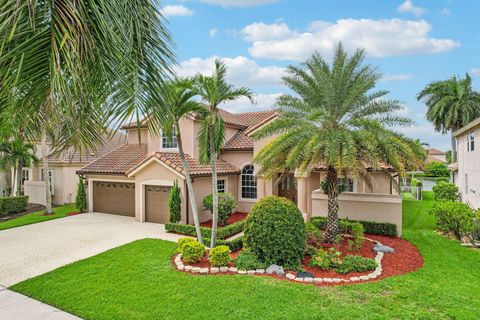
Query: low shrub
248	261
181	243
9	205
222	232
220	256
175	204
230	230
325	259
356	230
234	245
275	232
226	204
193	251
352	263
444	191
442	179
310	250
456	218
315	237
370	227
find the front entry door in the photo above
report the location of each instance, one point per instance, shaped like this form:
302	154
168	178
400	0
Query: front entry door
287	187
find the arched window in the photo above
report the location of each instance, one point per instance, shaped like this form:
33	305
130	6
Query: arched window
249	183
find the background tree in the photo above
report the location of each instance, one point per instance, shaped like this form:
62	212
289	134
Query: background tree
213	91
451	104
169	103
336	120
66	66
81	198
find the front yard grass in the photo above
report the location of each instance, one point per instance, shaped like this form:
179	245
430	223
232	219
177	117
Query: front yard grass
37	216
137	281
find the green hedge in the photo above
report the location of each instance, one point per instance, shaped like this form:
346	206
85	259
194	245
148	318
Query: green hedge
10	205
380	228
222	232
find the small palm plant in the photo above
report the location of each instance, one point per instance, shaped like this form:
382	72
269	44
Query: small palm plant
213	91
336	120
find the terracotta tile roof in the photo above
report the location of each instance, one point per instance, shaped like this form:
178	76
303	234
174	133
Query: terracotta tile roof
240	141
436	152
117	161
196	168
433	159
86	156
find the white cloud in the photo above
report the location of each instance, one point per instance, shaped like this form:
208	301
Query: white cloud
262	102
241	71
176	10
239	3
445	12
380	38
396	77
408	6
212	33
475	71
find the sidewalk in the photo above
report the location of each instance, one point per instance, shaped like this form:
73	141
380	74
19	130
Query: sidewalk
15	306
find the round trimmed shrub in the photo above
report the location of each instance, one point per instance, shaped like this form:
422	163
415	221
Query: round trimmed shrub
193	251
226	204
275	232
181	243
220	256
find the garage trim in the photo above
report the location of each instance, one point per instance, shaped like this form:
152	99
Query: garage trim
153	182
90	188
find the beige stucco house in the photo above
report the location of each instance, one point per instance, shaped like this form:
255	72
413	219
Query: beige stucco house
466	171
135	179
435	155
62	171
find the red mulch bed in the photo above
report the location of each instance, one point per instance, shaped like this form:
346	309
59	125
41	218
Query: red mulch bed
235	217
405	259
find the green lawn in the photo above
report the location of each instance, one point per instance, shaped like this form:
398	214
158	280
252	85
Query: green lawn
137	281
37	216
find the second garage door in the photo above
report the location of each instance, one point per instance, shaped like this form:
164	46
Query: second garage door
114	197
156	204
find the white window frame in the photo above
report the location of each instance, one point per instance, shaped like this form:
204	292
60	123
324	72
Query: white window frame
354	184
174	141
471	141
51	174
225	184
240	193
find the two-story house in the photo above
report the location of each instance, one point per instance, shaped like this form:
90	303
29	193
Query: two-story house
466	171
135	179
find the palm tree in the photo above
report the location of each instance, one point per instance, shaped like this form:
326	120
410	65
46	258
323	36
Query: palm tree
451	104
65	65
213	91
170	103
17	154
336	120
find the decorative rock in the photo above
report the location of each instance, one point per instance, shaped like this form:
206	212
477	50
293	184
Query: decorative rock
195	270
232	269
290	276
308	279
181	267
178	258
305	275
275	269
204	270
382	248
242	271
318	280
250	272
337	280
224	269
260	271
364	278
299	279
214	270
354	279
328	280
372	275
188	268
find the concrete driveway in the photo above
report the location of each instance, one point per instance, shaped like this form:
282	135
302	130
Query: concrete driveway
35	249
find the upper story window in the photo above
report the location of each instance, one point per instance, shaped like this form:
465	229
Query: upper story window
170	142
249	183
348	182
471	141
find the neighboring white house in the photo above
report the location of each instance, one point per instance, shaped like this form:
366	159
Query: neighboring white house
436	155
466	171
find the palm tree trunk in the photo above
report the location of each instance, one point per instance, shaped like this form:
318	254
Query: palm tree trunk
19	178
46	175
332	219
454	149
15	180
191	193
213	158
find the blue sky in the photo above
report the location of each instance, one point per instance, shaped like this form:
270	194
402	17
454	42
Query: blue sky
412	43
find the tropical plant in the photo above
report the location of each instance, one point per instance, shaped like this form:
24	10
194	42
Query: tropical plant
451	104
437	169
444	191
175	204
335	122
81	198
226	204
17	154
455	218
213	91
168	104
69	66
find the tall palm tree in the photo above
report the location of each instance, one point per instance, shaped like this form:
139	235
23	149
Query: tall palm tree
213	91
451	104
17	154
65	65
170	103
334	118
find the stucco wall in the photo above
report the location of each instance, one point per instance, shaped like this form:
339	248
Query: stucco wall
468	164
133	136
237	158
368	207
